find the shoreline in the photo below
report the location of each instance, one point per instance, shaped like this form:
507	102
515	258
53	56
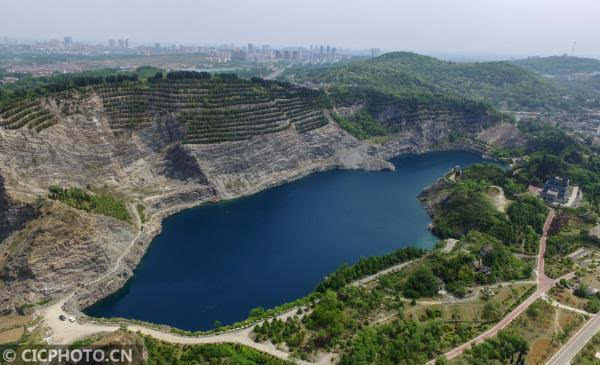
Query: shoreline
104	287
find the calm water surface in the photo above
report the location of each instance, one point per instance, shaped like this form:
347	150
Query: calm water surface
218	261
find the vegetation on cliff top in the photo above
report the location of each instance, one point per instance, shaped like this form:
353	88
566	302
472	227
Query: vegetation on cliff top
361	125
215	108
92	203
467	208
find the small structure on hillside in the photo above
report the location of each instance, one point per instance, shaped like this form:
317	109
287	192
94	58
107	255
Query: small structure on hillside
534	190
488	292
485	250
441	286
454	173
556	190
481	268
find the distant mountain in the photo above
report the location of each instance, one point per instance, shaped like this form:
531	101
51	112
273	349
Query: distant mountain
560	65
406	74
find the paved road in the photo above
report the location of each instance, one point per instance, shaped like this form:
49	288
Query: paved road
572	197
65	332
566	354
543	285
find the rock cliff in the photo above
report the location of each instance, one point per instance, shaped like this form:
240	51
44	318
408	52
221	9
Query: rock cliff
48	249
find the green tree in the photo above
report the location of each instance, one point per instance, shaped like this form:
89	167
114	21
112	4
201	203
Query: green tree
421	283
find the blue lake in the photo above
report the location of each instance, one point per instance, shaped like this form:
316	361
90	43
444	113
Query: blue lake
216	262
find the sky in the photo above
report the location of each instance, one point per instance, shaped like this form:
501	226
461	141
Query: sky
492	27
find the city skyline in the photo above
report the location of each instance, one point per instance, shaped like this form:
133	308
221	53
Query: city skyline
511	28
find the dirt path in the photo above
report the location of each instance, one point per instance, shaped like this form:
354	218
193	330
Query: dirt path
499	199
556	304
138	222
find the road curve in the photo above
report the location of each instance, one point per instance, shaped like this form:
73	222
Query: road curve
543	285
65	332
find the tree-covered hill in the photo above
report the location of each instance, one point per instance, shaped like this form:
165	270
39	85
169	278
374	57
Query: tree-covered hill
579	78
404	73
560	65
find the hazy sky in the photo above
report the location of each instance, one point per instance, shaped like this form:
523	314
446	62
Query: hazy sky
506	27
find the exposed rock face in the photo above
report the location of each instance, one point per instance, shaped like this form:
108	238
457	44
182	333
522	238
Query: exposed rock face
398	119
64	249
503	135
240	168
180	165
13	215
434	194
58	250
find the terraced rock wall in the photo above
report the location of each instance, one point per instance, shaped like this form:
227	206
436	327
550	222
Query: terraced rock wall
27	113
213	111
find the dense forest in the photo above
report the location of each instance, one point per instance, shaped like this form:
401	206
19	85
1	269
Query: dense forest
407	74
578	78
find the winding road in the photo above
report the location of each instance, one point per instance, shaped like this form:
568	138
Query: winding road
544	284
65	332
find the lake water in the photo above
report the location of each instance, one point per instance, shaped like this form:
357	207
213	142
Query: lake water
216	262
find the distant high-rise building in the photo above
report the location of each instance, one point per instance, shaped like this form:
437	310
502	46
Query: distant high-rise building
121	43
287	54
127	43
250	49
266	50
375	52
328	51
321	50
278	54
157	45
296	55
68	41
333	51
239	55
112	43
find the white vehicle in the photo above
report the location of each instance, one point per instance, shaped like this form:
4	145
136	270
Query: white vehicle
71	319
